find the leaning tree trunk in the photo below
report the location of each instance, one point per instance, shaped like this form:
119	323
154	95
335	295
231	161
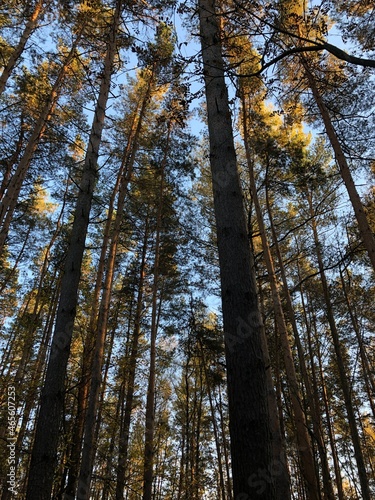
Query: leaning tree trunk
366	233
358	454
44	453
10	199
30	26
305	451
246	368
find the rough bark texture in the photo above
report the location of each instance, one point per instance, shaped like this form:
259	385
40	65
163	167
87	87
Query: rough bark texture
246	370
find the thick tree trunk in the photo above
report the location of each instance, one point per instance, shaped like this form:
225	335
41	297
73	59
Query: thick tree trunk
251	440
44	453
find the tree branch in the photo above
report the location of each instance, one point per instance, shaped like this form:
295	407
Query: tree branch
317	46
332	49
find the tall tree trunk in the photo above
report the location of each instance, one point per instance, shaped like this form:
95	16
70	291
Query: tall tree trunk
365	489
304	443
251	441
130	372
30	26
366	233
311	395
125	175
148	472
44	452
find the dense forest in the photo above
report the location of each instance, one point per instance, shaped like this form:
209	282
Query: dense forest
187	249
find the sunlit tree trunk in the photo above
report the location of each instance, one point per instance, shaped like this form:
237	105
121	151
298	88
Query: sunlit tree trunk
30	26
10	198
365	230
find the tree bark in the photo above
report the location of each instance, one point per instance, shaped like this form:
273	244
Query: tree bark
366	233
246	368
31	25
365	489
9	201
44	452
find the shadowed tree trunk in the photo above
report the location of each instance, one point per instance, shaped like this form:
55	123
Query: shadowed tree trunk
44	452
303	440
365	489
251	442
